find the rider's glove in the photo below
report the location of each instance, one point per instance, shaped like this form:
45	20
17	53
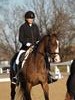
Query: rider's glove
28	44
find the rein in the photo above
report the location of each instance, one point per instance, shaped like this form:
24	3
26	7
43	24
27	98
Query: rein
48	49
48	53
54	53
41	53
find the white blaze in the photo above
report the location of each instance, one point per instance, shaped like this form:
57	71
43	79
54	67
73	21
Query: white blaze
57	57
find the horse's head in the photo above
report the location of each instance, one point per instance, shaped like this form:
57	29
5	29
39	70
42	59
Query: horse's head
53	48
49	44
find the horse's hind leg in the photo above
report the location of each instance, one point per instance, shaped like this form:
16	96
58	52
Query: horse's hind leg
27	90
46	90
12	91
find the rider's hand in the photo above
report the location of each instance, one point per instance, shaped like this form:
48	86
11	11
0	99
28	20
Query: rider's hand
37	42
28	44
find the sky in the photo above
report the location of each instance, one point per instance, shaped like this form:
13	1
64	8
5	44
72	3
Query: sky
7	5
13	2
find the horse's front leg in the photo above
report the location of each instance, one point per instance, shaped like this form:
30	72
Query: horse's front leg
46	90
27	94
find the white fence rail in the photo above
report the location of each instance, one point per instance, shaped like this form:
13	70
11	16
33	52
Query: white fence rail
4	67
58	74
62	63
4	79
67	63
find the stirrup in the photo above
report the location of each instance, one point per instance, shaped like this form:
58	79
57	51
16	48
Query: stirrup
14	80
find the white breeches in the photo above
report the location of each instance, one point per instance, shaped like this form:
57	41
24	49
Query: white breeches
17	59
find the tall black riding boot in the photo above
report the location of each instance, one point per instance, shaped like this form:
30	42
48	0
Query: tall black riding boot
15	79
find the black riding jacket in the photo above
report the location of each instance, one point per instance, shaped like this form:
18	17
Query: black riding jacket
28	34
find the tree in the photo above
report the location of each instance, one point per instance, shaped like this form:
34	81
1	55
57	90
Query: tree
42	10
52	16
10	29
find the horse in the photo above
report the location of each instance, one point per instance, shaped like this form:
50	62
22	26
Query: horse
70	95
34	70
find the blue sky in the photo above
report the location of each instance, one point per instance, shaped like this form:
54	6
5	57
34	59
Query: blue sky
17	2
6	5
11	3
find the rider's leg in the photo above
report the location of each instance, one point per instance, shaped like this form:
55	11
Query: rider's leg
15	79
17	59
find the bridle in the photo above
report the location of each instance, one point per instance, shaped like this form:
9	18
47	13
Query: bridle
48	51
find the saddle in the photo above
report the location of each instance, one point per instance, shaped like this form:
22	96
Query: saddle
22	59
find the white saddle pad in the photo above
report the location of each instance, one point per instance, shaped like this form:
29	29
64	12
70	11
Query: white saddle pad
27	54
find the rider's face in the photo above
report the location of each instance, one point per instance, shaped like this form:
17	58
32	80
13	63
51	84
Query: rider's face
30	20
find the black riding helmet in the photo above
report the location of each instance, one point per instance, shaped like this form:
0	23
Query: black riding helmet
29	14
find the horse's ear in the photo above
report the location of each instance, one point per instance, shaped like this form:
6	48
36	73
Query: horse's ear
54	35
48	32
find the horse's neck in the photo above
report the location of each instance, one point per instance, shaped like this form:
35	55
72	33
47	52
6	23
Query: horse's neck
42	47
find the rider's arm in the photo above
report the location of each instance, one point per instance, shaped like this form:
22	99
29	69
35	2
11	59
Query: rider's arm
22	36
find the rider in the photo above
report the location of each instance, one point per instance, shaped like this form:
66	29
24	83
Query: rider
28	35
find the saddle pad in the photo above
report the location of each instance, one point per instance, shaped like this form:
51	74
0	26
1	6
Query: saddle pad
27	54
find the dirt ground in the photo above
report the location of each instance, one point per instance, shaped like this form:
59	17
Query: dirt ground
57	91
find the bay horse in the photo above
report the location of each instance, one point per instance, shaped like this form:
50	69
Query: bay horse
34	70
70	95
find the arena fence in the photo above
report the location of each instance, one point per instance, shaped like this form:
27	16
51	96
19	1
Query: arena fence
6	69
